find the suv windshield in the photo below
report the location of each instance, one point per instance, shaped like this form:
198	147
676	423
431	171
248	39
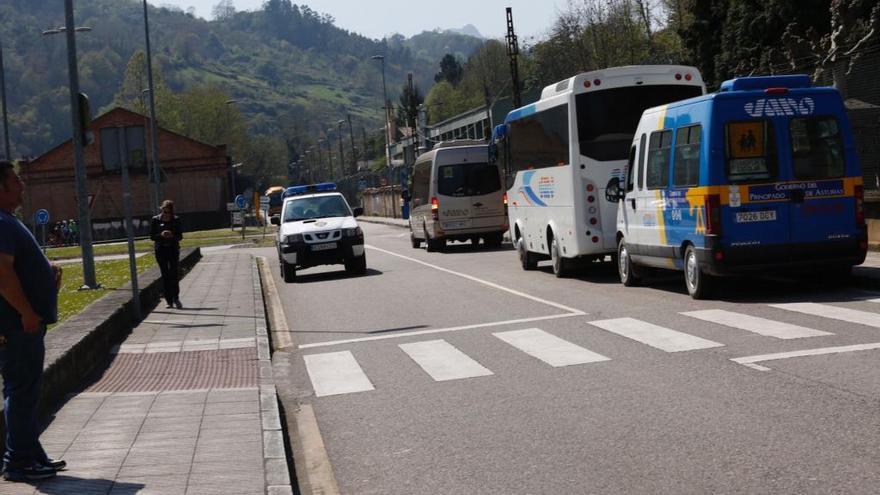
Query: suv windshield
607	119
316	207
468	179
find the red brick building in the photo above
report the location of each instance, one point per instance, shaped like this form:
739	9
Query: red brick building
196	177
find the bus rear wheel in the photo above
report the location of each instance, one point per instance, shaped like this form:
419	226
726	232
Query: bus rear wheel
560	265
526	259
699	283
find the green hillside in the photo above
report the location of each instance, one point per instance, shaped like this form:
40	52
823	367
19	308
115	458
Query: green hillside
282	63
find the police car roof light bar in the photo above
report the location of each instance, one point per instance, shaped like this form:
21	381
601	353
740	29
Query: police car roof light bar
309	189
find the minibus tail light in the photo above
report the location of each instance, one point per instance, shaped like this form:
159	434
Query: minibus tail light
435	208
678	77
860	205
776	91
688	77
505	199
713	214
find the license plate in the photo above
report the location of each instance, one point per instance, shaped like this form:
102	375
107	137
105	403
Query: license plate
324	247
454	225
755	216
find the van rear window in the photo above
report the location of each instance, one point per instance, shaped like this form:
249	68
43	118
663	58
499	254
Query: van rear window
816	148
468	179
751	151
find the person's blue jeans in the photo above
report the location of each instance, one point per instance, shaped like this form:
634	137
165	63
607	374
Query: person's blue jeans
22	364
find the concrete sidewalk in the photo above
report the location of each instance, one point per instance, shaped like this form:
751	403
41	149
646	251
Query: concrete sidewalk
188	404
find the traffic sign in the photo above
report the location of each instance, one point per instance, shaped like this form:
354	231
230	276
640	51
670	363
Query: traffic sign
42	217
240	202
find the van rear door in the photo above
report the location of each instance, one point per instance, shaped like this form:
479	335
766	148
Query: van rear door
758	215
470	192
823	210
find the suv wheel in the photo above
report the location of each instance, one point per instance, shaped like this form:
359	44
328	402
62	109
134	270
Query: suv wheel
357	265
288	271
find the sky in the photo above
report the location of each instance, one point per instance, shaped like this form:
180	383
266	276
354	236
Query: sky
378	18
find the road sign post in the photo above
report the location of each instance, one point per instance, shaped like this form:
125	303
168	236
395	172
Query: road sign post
240	203
121	138
41	218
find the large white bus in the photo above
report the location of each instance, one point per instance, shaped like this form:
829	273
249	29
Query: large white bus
560	153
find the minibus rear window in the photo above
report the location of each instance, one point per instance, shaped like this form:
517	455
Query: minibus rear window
816	148
751	151
468	179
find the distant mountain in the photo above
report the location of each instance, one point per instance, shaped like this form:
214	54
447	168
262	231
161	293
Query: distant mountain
279	61
468	30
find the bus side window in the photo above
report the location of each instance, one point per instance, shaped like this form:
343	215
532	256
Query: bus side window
640	166
658	159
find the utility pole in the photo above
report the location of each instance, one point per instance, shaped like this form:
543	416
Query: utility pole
85	221
7	152
353	153
512	53
157	168
341	153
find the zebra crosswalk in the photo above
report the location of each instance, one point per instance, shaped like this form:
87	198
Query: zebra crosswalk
336	373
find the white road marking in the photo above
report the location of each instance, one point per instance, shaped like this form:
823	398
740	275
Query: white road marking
336	373
438	330
481	281
760	326
751	360
654	336
834	312
443	361
549	348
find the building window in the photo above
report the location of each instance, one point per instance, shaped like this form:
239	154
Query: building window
134	139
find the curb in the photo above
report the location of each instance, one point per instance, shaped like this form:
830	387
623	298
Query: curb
79	346
311	464
274	453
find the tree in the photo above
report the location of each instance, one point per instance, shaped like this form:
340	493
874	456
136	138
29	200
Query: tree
133	95
224	9
450	70
408	109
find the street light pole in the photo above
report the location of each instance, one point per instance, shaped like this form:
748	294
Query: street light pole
381	58
85	221
157	168
7	153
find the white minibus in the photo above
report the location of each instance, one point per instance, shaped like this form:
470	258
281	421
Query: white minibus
560	153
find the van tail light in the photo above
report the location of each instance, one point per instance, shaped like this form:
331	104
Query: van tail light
776	91
505	199
860	205
713	214
435	209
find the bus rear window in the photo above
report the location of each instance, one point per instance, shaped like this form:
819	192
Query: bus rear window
468	179
816	148
751	151
607	119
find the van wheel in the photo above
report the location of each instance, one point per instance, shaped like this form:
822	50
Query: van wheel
526	259
434	245
493	240
560	264
699	283
288	271
629	277
415	242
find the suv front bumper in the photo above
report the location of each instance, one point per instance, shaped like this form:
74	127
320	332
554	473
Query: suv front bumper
302	255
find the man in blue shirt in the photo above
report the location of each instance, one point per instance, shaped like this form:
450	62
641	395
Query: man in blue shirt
28	302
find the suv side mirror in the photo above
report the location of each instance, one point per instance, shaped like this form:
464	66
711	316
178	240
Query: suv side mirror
275	220
613	192
357	211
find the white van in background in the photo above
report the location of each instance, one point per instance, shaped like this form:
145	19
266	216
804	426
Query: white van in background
457	194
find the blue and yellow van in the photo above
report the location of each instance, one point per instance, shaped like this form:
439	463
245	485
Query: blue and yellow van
761	175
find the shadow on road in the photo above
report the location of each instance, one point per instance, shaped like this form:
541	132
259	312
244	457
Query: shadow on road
327	276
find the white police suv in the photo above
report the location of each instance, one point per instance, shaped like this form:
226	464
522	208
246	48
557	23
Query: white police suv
317	227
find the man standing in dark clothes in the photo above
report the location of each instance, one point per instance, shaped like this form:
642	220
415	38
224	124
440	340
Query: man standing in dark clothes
166	233
28	302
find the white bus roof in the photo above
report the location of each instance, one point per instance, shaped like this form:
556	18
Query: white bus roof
628	75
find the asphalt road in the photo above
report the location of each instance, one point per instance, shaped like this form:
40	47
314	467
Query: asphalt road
460	373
